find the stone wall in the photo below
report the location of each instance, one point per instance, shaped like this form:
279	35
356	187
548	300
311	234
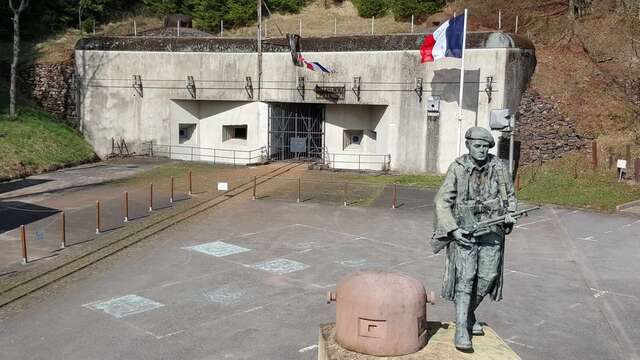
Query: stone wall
51	86
543	132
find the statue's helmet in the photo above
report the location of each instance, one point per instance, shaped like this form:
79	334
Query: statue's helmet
480	133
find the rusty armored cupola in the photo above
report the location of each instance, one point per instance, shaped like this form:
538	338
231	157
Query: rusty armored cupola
381	313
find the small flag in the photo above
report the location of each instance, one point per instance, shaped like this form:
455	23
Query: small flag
446	41
314	65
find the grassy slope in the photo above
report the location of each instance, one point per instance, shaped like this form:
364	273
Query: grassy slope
36	142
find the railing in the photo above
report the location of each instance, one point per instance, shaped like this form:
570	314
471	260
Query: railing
380	162
196	153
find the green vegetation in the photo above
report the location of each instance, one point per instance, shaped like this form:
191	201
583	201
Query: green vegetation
369	8
178	169
36	142
401	9
571	182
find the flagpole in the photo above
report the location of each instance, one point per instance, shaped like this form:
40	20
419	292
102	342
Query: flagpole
464	42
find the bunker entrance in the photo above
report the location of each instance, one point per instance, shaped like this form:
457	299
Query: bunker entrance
296	131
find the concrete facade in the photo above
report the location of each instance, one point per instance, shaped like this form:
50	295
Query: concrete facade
389	112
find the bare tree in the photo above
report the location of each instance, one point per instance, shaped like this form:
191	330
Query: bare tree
16	50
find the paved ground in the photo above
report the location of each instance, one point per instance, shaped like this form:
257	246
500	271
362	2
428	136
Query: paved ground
247	281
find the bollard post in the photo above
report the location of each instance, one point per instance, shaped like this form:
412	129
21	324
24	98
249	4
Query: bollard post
151	197
627	150
255	183
346	189
126	206
299	190
594	155
636	170
395	196
63	231
518	182
23	240
171	197
610	161
97	216
190	184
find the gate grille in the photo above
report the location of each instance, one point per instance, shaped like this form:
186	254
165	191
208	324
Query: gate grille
300	125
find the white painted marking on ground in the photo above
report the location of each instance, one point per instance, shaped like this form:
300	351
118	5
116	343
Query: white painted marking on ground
170	284
253	309
305	349
588	238
599	293
574	212
280	266
539	323
353	263
511	341
534	222
434	255
224	295
169	334
304	251
124	305
218	249
633	223
323	286
510	271
608	232
573	306
247	234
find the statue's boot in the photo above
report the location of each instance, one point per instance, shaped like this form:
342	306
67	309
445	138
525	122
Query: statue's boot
462	341
474	325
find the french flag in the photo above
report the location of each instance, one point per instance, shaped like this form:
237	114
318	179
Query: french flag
446	41
314	65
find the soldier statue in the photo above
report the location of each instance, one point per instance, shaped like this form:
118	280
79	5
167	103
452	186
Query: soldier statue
477	187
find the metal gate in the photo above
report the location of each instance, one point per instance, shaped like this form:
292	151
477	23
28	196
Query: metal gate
296	131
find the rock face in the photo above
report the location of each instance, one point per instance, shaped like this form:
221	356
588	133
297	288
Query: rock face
52	86
543	132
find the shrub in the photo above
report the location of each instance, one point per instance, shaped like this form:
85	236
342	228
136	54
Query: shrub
369	8
286	6
403	9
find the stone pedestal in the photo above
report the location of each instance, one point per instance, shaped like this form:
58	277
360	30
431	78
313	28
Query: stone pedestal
439	346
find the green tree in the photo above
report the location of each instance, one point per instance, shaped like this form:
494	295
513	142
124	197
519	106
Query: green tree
163	7
369	8
16	9
403	9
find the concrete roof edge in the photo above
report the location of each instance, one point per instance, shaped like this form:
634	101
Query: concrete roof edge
390	42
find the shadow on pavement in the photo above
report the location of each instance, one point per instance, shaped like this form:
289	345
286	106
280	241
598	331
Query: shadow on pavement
20	184
16	213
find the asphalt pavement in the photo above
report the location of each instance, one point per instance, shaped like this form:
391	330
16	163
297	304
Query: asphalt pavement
247	280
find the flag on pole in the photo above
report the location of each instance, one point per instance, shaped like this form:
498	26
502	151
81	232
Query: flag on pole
446	41
314	65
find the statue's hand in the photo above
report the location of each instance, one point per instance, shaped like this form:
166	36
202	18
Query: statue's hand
509	220
460	236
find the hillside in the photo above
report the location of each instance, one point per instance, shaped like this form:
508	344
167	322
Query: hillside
36	142
588	68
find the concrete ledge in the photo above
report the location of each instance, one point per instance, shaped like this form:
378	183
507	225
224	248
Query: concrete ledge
439	346
628	205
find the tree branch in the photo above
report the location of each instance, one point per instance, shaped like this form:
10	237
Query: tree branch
11	6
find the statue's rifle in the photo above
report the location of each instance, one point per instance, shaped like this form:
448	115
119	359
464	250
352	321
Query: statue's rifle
482	227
